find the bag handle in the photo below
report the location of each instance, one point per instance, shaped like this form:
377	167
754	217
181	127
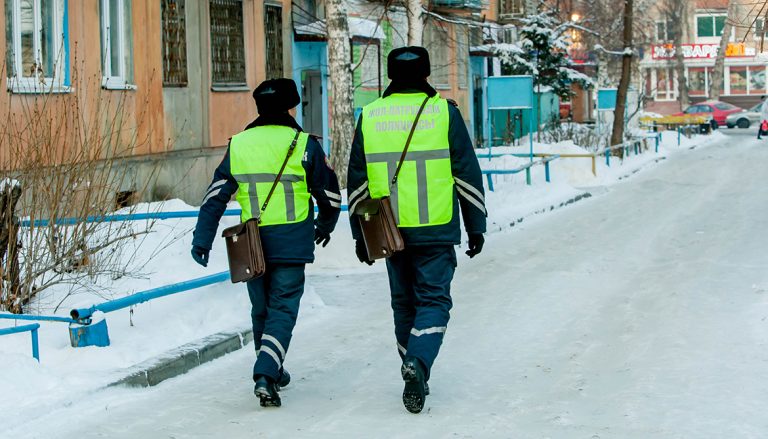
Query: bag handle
408	142
280	174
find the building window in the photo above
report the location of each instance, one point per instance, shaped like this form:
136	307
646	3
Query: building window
665	31
174	29
227	43
738	80
757	80
710	26
697	81
367	56
116	44
36	52
759	30
273	35
511	8
435	37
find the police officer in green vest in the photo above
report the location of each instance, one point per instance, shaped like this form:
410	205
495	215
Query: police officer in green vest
439	176
289	229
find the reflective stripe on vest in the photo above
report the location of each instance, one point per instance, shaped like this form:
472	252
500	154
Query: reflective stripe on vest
424	192
256	156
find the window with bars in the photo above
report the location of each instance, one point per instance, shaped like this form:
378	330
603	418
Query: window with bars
273	36
511	7
227	43
174	29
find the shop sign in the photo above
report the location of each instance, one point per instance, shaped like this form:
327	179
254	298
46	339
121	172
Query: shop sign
702	51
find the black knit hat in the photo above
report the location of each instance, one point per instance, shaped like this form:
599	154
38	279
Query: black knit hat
276	96
408	63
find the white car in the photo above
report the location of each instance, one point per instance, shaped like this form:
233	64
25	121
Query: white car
745	118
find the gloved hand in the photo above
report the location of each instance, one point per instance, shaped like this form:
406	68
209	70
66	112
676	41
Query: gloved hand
321	236
362	252
476	241
200	255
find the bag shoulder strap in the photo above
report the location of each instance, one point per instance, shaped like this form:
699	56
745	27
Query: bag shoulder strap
408	142
280	174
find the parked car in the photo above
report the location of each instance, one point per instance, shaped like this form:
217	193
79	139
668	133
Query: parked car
719	111
745	118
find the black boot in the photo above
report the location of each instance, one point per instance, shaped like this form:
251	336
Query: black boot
266	390
415	391
284	379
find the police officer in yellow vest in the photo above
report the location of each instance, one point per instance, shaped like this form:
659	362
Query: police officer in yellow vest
440	174
289	229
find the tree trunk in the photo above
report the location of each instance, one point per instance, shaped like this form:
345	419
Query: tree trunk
682	81
415	23
717	74
617	136
10	284
342	95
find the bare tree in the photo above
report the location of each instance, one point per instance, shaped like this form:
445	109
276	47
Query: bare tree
675	13
617	136
68	154
415	23
342	86
717	74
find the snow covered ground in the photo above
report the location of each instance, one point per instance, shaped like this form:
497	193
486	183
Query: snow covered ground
638	313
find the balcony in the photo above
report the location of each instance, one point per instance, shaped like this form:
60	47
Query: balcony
460	4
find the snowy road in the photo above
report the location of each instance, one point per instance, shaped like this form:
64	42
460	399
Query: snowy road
639	313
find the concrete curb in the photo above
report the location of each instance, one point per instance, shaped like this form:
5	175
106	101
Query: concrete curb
184	358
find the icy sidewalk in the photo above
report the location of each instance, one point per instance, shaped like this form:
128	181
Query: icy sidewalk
637	314
153	328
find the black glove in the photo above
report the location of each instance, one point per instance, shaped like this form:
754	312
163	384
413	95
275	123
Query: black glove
321	236
476	241
200	255
362	252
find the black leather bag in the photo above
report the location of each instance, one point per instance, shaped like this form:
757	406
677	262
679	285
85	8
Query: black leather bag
244	250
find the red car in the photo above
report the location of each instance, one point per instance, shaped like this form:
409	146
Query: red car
719	111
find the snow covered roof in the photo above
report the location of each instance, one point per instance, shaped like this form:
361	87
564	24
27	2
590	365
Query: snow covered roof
358	27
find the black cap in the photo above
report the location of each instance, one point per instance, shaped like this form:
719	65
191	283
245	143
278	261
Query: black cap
408	63
276	96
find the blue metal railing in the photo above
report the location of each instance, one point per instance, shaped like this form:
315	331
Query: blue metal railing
131	217
35	318
489	173
33	331
84	314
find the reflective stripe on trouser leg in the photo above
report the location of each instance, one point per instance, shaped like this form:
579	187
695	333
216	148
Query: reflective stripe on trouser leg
285	286
403	305
433	269
257	292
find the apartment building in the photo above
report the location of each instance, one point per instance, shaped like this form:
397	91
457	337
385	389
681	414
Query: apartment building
744	78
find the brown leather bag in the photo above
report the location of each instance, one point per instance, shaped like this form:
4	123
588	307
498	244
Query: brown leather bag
244	250
380	233
377	219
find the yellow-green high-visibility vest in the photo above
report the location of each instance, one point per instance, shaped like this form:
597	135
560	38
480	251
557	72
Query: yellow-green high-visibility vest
423	195
255	158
